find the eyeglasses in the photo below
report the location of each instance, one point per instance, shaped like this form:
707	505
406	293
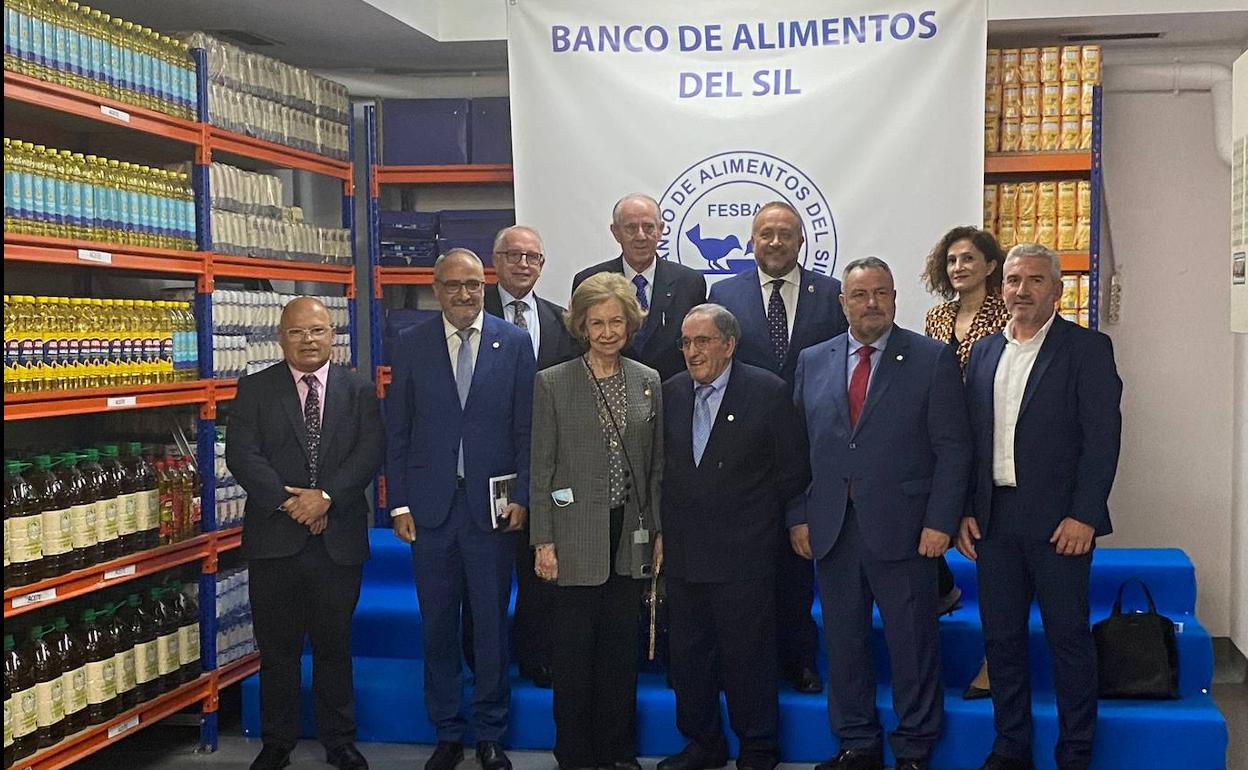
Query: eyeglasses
632	228
314	333
698	343
454	287
516	257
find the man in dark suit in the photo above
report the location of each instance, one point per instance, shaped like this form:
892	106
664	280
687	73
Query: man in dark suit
665	290
518	262
735	455
305	440
890	450
457	414
1044	401
783	309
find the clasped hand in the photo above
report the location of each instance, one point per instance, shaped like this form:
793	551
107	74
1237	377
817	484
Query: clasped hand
308	507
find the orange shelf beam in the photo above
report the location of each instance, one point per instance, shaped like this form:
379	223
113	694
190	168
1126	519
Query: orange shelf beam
229	539
224	389
480	173
58	403
279	155
237	670
82	744
1075	261
61	251
74	102
281	270
1079	161
44	593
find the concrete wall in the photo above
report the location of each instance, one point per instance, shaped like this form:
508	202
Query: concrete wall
1169	220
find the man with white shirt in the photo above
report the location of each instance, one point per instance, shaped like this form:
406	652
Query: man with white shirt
518	263
666	290
458	413
305	442
1044	399
783	308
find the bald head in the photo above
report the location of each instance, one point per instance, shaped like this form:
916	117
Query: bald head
306	334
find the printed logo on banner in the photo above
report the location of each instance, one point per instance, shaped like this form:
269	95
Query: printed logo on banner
708	209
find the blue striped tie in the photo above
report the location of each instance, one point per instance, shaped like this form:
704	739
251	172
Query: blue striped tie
701	420
463	381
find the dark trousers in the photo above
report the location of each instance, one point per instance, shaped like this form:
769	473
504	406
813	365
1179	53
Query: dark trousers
730	623
796	635
594	667
292	598
850	581
455	562
1012	568
533	626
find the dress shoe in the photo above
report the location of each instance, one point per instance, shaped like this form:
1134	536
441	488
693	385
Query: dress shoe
757	762
695	757
998	762
271	757
911	764
346	757
949	602
490	755
624	764
539	676
854	759
806	680
446	755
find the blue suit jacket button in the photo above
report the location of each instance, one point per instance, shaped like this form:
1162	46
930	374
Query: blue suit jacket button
853	446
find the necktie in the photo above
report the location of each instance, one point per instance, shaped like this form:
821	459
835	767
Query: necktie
518	317
777	323
312	421
640	282
858	383
463	381
701	420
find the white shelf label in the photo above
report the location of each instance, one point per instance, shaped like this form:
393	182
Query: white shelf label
112	112
121	727
118	402
113	574
91	255
47	594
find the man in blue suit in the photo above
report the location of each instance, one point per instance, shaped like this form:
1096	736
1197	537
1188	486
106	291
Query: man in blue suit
458	413
783	308
1044	401
890	453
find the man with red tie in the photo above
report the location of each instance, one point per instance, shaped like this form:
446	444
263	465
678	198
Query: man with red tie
890	450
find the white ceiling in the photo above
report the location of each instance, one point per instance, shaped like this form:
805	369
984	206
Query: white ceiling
355	35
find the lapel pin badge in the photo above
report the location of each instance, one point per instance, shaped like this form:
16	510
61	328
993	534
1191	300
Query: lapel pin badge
646	392
810	288
899	356
496	344
731	417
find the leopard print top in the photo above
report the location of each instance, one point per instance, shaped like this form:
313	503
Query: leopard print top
990	319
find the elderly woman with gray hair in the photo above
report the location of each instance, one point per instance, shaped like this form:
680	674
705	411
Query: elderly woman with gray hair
595	474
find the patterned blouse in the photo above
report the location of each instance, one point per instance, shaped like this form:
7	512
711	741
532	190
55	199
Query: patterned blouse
989	319
614	389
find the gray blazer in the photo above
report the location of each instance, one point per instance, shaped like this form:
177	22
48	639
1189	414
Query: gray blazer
568	453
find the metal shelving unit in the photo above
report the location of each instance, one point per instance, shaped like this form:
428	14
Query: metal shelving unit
1081	164
380	277
204	267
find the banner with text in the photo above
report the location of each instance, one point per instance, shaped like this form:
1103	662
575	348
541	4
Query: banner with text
867	119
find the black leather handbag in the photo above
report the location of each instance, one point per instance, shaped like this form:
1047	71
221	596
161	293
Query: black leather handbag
1136	652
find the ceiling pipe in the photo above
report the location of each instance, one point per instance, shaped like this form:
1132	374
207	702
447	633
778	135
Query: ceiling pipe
1181	76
